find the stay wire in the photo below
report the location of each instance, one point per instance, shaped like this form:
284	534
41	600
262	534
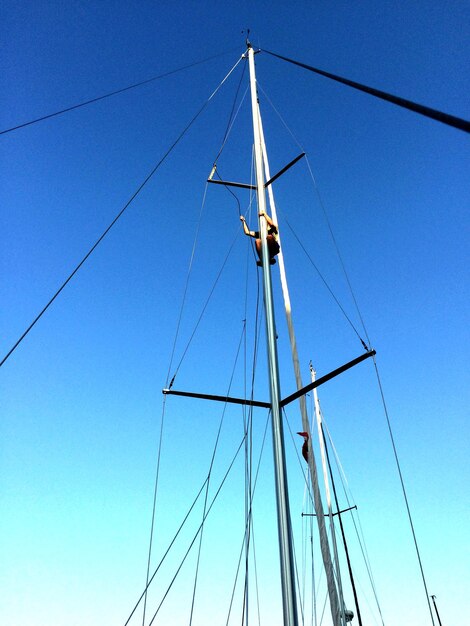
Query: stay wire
185	291
201	315
392	439
359	532
197	532
209	474
181	526
366	347
232	115
330	229
439	116
152	525
206	303
340	258
114	93
166	552
327	286
249	488
249	520
227	132
132	198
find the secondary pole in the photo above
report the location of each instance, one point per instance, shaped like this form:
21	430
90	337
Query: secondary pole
282	497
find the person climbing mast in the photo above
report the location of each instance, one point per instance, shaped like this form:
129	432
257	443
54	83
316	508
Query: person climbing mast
271	238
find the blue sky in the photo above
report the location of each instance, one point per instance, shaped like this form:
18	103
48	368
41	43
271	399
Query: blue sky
81	403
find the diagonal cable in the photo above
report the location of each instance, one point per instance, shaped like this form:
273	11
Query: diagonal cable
439	116
132	198
112	93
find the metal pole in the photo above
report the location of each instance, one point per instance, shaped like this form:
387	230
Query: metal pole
328	498
351	577
435	608
282	498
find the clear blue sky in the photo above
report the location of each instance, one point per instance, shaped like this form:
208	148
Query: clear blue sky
80	397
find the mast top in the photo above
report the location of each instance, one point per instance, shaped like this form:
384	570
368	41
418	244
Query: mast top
247	41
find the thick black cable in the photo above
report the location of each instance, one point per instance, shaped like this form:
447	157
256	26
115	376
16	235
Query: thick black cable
113	93
439	116
134	195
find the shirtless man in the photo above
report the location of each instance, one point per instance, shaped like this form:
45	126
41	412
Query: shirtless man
273	245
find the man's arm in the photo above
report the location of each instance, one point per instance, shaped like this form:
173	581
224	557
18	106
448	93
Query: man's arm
246	230
268	220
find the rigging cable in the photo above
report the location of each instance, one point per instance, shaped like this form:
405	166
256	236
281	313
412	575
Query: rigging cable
320	199
395	453
155	489
197	532
232	115
343	266
224	478
132	198
166	551
359	532
445	118
227	130
185	291
209	473
248	520
206	303
248	429
392	439
114	93
348	319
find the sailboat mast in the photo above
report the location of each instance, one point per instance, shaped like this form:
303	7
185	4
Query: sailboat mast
336	613
282	498
328	497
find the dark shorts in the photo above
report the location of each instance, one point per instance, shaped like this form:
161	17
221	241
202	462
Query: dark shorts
273	246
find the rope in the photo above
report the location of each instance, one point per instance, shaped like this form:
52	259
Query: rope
445	118
132	198
113	93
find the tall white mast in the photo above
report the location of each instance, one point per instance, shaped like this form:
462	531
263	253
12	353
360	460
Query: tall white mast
328	496
284	522
336	613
